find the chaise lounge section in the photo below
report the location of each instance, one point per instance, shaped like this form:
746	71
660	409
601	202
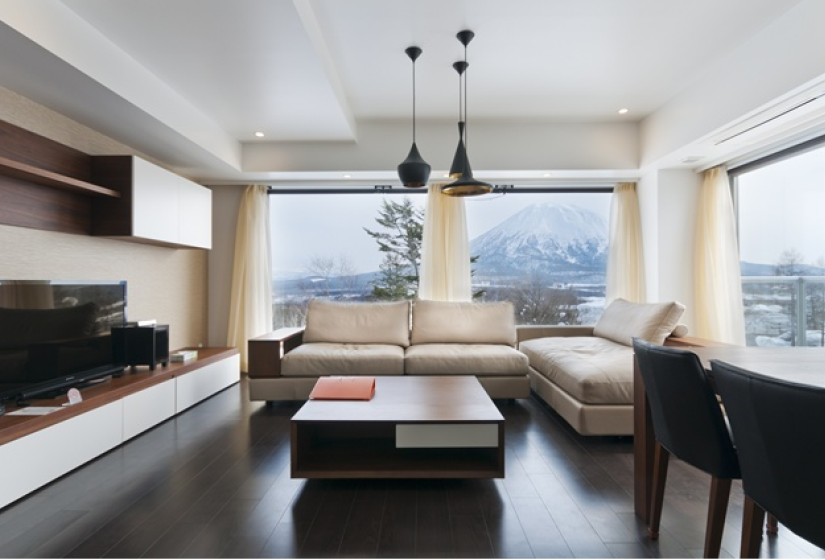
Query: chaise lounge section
585	373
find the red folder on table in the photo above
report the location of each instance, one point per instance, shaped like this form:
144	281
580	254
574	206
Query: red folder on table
354	388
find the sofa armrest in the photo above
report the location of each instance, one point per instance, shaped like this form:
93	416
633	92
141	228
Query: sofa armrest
527	332
693	342
267	351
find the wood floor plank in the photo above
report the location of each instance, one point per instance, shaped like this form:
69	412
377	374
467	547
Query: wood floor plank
398	529
362	534
433	537
327	531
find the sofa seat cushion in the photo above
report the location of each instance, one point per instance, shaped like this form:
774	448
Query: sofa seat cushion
315	359
464	359
592	370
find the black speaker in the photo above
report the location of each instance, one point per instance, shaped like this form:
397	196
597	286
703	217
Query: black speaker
141	346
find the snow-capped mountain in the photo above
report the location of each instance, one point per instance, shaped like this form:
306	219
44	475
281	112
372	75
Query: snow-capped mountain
563	242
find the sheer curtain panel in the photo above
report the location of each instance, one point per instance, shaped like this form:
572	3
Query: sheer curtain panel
445	249
250	312
718	281
625	258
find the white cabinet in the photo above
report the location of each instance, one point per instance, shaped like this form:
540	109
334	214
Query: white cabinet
155	206
209	380
148	408
29	462
155	203
195	215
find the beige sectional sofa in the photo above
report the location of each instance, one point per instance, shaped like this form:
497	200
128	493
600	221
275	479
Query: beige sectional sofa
586	373
391	338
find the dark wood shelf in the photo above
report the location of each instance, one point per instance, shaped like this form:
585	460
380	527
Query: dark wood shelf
39	176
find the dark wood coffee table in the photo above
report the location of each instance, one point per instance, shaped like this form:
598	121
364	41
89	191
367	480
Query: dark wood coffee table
414	427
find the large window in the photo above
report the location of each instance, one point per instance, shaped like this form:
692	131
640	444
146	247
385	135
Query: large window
782	247
545	252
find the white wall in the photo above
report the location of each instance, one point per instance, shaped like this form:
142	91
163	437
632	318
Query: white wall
667	202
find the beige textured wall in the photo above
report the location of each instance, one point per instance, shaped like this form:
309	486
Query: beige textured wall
169	285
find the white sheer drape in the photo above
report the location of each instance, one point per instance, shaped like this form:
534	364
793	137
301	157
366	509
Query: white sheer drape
625	259
250	312
718	280
445	249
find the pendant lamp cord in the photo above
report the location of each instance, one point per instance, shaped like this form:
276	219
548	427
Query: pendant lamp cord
413	72
466	68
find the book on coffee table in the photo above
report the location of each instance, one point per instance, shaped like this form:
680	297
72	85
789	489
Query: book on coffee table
353	388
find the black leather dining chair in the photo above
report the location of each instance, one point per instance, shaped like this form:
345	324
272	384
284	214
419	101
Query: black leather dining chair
688	423
779	429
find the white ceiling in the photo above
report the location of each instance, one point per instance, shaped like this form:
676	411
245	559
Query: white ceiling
313	70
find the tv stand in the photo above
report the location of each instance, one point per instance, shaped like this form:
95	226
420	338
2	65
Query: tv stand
34	450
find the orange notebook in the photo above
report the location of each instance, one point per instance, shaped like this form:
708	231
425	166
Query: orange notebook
343	389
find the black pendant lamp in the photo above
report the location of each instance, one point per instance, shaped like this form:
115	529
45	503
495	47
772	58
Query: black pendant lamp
414	171
465	184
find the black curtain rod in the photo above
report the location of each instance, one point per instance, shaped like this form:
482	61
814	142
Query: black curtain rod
498	189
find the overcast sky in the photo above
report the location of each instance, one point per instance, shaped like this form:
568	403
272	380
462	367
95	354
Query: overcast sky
782	207
306	226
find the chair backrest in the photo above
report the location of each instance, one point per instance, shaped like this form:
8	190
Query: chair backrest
687	418
779	429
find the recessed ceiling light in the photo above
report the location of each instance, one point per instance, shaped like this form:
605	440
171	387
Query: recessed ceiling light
545	175
259	134
623	111
347	176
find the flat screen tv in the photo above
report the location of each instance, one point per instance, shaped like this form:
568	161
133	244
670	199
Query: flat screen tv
56	335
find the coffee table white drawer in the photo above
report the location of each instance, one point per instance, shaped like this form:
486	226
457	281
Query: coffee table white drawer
446	435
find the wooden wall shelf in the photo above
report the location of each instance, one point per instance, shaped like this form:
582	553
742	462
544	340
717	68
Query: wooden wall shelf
33	174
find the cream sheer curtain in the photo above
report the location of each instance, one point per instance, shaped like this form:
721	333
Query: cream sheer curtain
718	281
625	259
250	312
445	249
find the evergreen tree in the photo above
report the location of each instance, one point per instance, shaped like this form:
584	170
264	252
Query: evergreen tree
399	240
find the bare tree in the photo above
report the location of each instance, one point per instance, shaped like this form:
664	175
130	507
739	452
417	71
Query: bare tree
323	267
348	276
535	302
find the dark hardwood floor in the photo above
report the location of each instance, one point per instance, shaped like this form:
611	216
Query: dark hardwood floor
214	482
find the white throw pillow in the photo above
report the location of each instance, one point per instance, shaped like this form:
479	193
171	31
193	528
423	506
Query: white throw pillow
653	322
443	322
358	323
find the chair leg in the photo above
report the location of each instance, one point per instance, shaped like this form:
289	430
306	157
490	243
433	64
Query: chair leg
771	525
717	509
753	517
660	463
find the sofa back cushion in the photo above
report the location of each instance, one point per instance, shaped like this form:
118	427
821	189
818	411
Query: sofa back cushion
358	323
653	322
443	322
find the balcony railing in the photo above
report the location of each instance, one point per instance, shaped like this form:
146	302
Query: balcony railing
784	310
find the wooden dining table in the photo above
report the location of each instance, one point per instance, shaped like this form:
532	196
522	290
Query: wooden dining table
804	365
